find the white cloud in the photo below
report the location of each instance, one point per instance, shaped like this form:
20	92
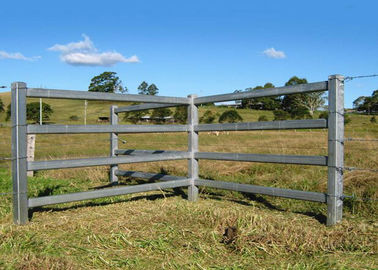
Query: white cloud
272	53
84	53
17	56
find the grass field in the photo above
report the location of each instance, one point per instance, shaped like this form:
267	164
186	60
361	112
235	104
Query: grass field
162	230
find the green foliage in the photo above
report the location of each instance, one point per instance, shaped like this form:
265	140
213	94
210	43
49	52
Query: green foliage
323	115
142	88
367	104
32	112
106	82
134	116
263	103
373	120
74	118
181	114
230	116
262	118
145	89
160	114
208	117
280	115
1	106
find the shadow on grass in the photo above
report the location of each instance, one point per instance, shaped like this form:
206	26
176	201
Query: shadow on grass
167	194
175	192
263	201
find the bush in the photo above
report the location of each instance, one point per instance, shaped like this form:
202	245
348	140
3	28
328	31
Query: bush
32	111
181	114
230	116
208	117
323	115
280	115
262	118
1	106
74	118
373	120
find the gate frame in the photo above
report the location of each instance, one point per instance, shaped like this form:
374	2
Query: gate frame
334	161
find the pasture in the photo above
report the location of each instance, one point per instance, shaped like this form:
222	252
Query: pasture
223	230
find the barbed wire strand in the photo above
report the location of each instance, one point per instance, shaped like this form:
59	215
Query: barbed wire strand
350	78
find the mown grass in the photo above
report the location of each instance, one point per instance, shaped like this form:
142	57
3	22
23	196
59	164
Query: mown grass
162	230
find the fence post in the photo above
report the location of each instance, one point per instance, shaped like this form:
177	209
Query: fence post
19	153
113	145
335	148
30	151
192	148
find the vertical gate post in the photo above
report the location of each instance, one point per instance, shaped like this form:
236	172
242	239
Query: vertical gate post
113	145
192	148
335	148
19	153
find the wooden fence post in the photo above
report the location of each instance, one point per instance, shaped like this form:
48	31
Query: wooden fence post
193	169
113	145
19	153
335	148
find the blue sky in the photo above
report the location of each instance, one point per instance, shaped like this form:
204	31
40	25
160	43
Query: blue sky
201	47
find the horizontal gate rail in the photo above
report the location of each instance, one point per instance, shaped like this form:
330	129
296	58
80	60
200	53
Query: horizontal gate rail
272	191
264	158
149	176
268	125
70	94
95	194
145	152
267	92
141	107
88	162
75	129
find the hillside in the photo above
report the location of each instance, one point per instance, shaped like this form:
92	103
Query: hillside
162	230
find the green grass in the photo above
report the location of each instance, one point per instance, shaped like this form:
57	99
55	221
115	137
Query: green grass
162	230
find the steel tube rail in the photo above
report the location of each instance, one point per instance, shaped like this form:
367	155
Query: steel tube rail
264	158
71	94
269	125
142	107
95	194
272	191
145	152
75	129
278	91
102	161
149	176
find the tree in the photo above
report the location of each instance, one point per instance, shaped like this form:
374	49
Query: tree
181	114
106	82
230	116
142	88
365	104
263	103
152	90
32	111
302	105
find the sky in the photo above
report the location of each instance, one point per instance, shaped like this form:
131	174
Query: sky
189	47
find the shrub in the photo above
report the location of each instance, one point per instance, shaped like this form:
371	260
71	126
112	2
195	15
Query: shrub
323	115
32	111
181	114
230	116
262	118
280	115
1	106
208	117
373	120
74	118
